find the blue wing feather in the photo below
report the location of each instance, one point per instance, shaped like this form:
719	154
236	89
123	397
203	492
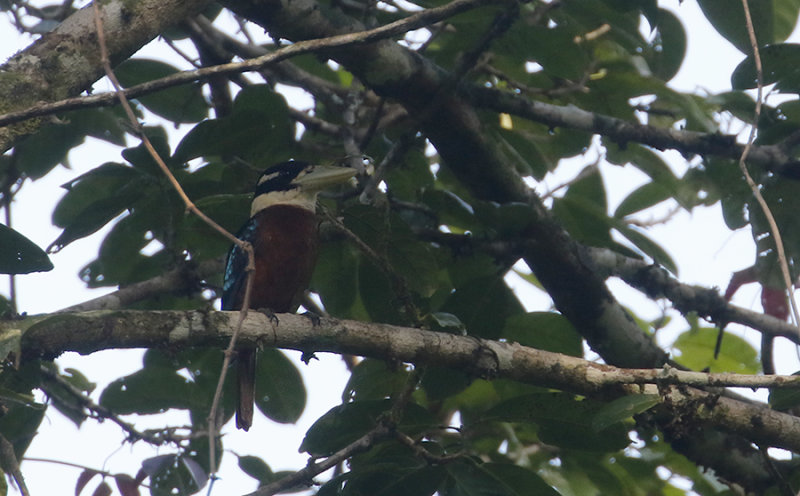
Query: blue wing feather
235	275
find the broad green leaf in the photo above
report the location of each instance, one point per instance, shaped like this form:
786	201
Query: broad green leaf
648	246
783	399
95	198
376	294
779	64
151	390
228	210
470	300
374	380
728	19
643	197
392	469
256	468
562	420
545	331
696	350
174	474
280	392
19	425
64	400
442	382
183	103
336	278
391	238
468	478
345	423
665	55
40	152
786	15
258	130
623	408
19	255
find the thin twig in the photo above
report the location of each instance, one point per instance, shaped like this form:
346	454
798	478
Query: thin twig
157	438
190	206
414	21
314	468
773	226
10	465
398	283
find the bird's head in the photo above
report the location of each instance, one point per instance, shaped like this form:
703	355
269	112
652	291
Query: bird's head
296	183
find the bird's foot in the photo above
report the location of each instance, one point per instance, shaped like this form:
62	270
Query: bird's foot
270	315
313	317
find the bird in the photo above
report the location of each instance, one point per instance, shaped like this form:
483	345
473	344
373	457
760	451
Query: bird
282	229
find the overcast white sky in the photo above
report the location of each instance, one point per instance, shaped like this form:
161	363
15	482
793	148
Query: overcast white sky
707	253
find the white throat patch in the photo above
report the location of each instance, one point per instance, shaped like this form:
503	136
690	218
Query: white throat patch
294	197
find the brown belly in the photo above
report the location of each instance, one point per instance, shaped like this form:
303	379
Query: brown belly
285	255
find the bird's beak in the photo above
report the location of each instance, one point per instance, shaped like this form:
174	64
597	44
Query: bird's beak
324	176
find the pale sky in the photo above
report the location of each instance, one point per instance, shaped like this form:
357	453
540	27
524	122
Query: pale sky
706	254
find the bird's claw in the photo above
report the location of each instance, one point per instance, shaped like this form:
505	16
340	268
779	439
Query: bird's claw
315	319
270	315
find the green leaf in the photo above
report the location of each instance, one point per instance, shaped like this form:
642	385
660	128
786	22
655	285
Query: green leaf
258	130
467	478
19	255
392	469
783	399
227	210
544	331
40	152
280	392
623	408
345	423
374	380
392	239
779	64
174	474
336	278
665	55
94	199
19	425
256	468
182	103
728	19
151	390
643	197
696	350
648	246
65	400
562	420
442	382
786	15
471	299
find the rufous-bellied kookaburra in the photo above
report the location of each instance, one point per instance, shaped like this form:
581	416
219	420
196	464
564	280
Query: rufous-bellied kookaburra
283	232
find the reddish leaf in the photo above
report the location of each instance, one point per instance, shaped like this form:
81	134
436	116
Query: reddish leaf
84	479
774	302
738	279
102	490
127	485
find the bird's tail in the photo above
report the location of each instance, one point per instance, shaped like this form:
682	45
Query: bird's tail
246	367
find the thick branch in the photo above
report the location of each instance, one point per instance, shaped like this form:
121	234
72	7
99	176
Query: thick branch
772	157
453	126
66	61
176	281
93	331
656	282
32	108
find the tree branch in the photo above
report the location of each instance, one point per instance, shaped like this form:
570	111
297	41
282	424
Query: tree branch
771	157
411	22
66	61
87	332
